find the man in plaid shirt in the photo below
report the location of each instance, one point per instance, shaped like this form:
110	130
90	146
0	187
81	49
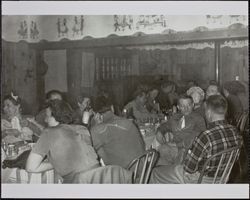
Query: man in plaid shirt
219	136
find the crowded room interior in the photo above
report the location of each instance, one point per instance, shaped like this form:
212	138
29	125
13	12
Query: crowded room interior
124	99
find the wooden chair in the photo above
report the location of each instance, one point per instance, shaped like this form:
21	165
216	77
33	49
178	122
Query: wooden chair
242	121
240	169
227	159
148	159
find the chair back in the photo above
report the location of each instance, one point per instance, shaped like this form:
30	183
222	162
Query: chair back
242	121
148	161
226	160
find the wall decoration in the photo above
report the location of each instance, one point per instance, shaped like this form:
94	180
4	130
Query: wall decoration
214	19
74	27
129	22
33	30
78	25
23	31
236	18
225	19
235	43
62	28
122	22
151	21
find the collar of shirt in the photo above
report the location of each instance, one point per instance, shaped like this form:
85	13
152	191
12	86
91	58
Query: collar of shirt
215	123
108	116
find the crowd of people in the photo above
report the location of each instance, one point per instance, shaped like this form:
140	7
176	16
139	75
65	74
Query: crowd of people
74	142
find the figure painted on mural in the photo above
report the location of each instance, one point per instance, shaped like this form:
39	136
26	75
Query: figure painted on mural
234	18
62	28
123	22
77	26
116	24
82	24
23	31
150	21
214	19
33	30
58	27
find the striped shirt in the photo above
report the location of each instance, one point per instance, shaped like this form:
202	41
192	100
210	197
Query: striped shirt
219	136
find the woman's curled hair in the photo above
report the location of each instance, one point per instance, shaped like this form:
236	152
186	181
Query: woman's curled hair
61	111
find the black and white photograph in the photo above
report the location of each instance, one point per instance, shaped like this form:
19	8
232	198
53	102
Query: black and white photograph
144	93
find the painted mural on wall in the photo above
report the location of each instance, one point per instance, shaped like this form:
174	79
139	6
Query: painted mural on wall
25	32
34	28
73	26
225	19
141	22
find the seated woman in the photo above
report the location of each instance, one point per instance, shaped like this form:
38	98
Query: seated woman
198	96
67	150
16	127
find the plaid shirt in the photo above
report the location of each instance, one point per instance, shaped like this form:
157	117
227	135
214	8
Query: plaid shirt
219	136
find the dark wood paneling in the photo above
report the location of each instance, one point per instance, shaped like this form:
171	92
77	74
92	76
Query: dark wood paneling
19	65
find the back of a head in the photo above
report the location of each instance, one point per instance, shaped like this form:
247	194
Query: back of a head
167	84
61	111
139	92
102	104
54	94
212	89
217	104
234	87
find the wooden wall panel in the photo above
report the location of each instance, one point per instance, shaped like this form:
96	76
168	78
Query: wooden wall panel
172	62
19	73
235	62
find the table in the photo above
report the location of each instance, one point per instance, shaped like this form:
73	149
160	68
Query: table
16	175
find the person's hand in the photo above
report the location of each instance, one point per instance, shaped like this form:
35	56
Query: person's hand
11	131
97	118
31	119
160	137
169	137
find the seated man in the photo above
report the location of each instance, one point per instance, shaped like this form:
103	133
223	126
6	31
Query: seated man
83	114
218	137
177	134
67	147
51	95
116	140
167	96
137	107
